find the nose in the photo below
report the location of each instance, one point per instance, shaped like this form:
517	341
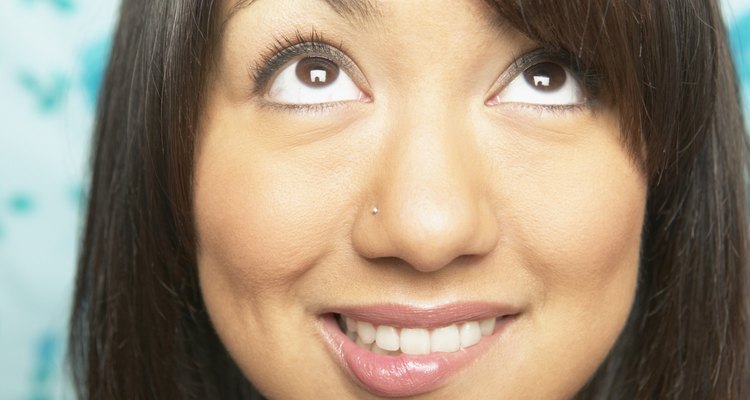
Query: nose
428	201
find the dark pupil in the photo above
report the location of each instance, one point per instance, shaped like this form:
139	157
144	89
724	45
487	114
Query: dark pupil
317	72
546	77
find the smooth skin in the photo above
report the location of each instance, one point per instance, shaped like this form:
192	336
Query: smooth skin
511	202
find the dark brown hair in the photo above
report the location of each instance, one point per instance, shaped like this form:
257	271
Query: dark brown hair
139	329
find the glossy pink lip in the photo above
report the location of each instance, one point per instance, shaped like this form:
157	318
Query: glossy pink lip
409	375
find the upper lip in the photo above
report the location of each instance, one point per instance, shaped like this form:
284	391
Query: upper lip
402	315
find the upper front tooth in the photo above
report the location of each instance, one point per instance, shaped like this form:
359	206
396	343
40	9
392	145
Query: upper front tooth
366	331
415	341
470	334
445	340
387	338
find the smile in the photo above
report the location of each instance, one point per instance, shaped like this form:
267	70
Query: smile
386	339
394	350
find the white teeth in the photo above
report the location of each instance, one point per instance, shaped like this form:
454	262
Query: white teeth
366	331
487	326
415	341
470	334
445	340
387	338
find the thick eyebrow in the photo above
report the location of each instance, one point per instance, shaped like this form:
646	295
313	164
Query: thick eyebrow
354	11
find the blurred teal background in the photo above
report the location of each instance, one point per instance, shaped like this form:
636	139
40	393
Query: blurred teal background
52	55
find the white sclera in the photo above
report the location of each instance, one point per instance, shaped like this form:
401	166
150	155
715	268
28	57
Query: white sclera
521	92
288	89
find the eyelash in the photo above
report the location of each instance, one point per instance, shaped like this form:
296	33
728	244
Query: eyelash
286	48
589	79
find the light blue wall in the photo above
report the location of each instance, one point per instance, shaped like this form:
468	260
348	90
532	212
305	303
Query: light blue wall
738	18
52	53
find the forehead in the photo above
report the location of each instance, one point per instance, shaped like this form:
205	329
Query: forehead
358	10
363	12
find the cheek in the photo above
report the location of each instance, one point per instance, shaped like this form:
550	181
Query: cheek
576	211
261	226
574	220
264	220
590	228
248	222
587	246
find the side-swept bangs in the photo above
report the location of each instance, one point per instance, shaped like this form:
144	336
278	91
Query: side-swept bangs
665	68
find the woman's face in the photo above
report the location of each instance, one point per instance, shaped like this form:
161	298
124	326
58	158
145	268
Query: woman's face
406	198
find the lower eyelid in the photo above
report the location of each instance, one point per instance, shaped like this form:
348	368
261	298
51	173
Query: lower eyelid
547	110
305	108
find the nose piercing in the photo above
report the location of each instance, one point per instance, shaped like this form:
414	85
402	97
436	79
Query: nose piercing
375	211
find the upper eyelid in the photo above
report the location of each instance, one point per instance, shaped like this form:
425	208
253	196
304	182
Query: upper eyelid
589	80
529	59
270	65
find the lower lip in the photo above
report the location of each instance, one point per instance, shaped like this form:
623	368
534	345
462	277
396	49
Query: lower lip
402	375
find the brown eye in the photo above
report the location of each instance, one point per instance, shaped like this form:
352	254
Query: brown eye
541	84
546	76
317	72
313	80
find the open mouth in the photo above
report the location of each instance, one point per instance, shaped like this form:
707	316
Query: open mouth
393	340
397	350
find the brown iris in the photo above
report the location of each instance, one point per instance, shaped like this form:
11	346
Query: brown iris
546	76
317	72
